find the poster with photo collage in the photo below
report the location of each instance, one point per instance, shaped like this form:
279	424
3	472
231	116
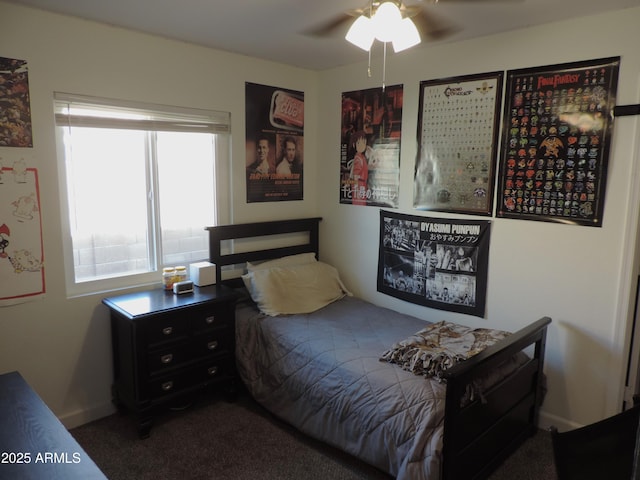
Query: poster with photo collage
440	263
556	138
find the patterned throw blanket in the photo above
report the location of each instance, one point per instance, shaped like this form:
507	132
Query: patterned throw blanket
439	346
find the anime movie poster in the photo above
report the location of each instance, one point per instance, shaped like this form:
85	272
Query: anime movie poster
15	107
274	143
556	137
21	249
436	262
370	146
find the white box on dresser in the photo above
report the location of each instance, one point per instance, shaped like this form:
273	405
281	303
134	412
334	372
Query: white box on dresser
202	273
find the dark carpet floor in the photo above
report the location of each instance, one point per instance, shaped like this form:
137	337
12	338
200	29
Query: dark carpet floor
215	439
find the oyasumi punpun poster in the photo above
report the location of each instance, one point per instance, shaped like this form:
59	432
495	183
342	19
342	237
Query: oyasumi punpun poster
437	262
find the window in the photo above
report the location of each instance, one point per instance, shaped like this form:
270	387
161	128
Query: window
139	184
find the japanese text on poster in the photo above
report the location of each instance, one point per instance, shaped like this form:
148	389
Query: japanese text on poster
370	146
439	263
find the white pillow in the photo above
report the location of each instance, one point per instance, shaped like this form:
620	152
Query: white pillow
295	289
290	260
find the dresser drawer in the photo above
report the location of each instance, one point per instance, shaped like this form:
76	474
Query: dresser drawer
211	318
216	369
164	328
212	343
170	384
165	359
196	377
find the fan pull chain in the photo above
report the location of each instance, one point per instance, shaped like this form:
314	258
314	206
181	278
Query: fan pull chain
370	16
384	66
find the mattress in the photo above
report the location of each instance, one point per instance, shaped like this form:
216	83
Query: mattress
321	372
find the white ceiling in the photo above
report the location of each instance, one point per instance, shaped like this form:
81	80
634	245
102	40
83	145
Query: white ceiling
274	29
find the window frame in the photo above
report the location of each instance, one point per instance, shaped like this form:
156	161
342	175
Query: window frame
208	121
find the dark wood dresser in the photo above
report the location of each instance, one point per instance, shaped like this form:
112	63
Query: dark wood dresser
34	445
168	347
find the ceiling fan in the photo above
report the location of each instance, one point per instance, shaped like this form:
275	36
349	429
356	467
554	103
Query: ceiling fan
391	21
429	25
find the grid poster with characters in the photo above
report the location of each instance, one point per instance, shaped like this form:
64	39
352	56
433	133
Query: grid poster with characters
437	262
556	137
459	120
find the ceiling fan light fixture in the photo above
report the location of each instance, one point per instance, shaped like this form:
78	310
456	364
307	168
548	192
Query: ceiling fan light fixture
387	22
361	33
406	36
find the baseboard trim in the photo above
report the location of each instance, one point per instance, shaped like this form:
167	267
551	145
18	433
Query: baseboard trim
80	417
547	420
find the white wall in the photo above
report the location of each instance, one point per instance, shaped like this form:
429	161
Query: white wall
579	276
63	346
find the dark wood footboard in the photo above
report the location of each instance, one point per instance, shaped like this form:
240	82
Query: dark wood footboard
480	435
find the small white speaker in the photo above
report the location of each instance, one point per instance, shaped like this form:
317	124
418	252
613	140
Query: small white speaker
202	273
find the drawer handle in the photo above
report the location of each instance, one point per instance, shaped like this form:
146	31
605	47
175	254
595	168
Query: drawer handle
168	358
166	386
167	330
212	370
212	345
210	320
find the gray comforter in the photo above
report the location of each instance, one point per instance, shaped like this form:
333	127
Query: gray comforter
321	372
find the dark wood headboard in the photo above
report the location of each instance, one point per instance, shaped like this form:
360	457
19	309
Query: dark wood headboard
221	233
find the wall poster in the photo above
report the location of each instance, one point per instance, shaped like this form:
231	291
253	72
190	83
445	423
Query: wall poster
274	143
459	120
15	107
370	146
557	128
21	246
436	262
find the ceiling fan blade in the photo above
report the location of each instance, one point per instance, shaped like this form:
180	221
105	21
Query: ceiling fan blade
332	27
429	25
474	1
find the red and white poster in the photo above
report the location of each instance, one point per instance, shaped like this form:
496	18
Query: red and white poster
275	143
21	248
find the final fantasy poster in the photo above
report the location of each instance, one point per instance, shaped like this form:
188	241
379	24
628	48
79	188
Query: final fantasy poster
558	122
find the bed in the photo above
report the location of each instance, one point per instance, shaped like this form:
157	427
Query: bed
322	372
